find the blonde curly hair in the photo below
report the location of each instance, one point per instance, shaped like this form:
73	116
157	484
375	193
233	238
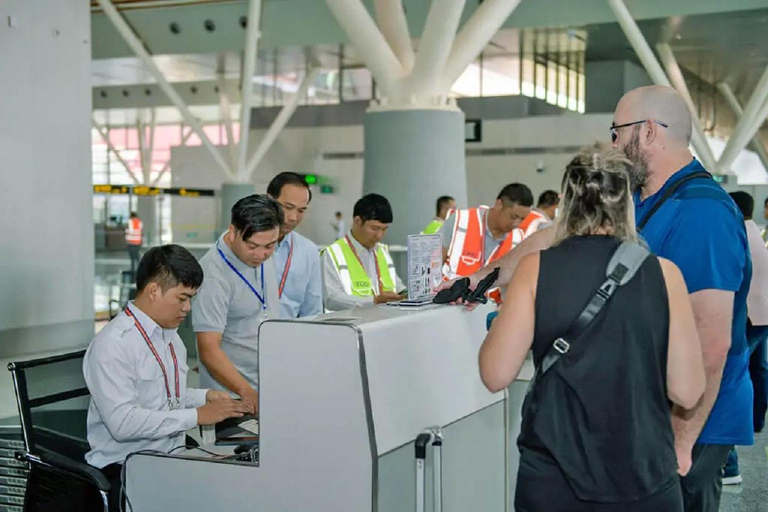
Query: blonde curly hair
596	195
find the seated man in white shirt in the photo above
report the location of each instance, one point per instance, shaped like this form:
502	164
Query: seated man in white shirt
136	370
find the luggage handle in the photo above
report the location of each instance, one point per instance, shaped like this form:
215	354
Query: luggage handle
430	436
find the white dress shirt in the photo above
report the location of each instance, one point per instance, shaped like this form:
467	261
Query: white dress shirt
757	299
335	297
129	408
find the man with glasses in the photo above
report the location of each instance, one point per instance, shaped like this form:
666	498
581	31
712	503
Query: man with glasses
686	217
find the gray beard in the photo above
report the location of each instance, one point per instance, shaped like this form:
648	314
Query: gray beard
638	173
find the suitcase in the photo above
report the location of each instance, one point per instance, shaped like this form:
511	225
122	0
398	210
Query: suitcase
432	436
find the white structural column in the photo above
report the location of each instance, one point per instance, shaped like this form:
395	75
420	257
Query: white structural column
394	28
434	48
474	36
138	48
279	123
654	69
252	35
755	113
146	146
675	75
369	44
757	141
105	136
167	165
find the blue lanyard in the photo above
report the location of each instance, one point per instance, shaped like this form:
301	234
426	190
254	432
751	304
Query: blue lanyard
241	276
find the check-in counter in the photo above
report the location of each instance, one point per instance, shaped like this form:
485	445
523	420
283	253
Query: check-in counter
342	399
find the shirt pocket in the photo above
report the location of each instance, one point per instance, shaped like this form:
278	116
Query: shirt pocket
151	386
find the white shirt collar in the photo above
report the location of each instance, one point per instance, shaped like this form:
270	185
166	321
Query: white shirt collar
150	326
358	246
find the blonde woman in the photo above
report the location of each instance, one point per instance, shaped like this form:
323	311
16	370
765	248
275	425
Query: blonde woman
600	438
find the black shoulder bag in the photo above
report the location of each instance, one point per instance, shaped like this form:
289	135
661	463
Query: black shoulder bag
622	267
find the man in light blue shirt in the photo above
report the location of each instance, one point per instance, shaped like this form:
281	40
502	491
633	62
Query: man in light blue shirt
297	259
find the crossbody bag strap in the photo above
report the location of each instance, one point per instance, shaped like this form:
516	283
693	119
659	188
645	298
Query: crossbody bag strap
622	267
669	192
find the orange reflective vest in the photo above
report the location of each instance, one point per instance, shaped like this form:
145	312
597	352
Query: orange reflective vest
466	254
531	223
133	233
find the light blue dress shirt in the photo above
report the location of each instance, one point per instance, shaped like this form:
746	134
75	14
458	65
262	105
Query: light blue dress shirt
303	292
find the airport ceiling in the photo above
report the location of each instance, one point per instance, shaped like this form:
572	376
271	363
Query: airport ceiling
715	40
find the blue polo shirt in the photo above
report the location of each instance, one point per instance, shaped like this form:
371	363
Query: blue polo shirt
706	239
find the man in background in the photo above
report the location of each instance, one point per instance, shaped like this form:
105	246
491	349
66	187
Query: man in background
134	233
444	207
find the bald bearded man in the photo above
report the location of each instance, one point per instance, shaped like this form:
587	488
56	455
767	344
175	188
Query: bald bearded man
687	218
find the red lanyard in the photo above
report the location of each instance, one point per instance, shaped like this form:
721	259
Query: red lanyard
286	270
143	333
483	231
375	260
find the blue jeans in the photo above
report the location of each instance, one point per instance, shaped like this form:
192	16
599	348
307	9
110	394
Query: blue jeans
757	338
758	373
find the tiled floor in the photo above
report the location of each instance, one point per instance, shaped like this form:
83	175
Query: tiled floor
752	494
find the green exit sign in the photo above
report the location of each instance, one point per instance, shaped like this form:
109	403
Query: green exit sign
311	179
720	178
326	189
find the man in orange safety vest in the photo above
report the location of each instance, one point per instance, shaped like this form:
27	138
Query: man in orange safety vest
133	238
540	217
474	237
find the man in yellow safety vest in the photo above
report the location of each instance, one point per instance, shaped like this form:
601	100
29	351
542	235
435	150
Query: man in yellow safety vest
445	206
358	269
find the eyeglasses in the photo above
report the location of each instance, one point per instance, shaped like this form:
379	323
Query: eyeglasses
614	128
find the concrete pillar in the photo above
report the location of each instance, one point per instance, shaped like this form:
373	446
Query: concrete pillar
146	209
412	157
230	194
47	248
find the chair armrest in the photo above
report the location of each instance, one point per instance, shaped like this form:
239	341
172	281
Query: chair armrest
85	471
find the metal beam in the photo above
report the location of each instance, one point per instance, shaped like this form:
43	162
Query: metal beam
279	123
757	141
142	150
755	112
105	136
394	27
675	75
252	35
225	111
654	69
137	46
370	45
473	37
434	49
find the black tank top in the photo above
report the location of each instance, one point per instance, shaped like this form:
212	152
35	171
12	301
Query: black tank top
603	413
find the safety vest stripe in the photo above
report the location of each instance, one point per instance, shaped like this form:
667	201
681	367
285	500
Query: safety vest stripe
459	235
341	267
390	266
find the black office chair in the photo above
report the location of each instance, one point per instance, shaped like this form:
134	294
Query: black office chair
59	484
53	399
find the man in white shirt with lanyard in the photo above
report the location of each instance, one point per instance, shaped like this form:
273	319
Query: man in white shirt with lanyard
239	292
136	370
297	259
